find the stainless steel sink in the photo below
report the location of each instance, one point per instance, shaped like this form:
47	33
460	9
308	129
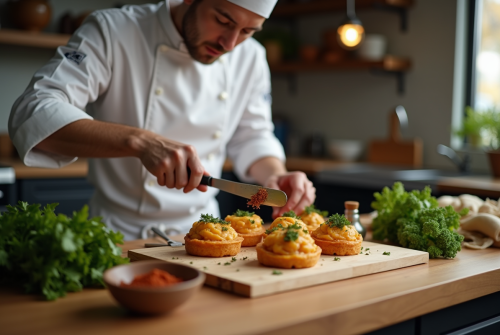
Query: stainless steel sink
377	176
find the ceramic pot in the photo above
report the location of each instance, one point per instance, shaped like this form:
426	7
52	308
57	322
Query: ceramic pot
494	157
32	15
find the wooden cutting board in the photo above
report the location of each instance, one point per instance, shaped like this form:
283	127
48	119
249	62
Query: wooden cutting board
247	277
394	150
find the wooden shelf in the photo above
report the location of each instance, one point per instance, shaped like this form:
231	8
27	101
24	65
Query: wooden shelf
32	39
389	64
319	6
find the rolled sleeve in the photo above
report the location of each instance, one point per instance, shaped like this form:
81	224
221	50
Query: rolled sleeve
254	137
59	92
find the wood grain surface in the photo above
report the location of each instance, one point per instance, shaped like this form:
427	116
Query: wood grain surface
353	306
244	275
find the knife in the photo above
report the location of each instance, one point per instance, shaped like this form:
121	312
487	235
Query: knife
275	198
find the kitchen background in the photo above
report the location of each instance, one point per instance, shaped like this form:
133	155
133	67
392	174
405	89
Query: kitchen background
340	104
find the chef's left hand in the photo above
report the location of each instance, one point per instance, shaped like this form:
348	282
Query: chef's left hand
298	188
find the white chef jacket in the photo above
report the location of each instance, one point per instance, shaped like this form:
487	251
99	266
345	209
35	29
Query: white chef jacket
130	66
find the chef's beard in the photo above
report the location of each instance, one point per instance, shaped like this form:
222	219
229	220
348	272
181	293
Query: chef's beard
191	35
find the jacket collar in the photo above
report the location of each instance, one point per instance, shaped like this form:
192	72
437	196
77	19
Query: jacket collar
174	38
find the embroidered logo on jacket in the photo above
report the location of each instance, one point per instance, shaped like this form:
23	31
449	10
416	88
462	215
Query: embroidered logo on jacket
75	56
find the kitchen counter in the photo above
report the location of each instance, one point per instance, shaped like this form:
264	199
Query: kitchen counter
350	306
80	167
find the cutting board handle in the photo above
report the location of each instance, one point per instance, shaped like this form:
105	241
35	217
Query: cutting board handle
394	128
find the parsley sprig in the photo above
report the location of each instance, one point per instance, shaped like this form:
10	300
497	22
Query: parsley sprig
239	213
291	214
311	209
208	218
338	221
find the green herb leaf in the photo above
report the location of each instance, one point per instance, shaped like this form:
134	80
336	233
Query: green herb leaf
291	214
227	263
338	221
336	259
311	209
240	213
208	218
224	229
386	253
277	273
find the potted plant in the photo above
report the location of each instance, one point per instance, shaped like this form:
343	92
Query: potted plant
492	125
475	123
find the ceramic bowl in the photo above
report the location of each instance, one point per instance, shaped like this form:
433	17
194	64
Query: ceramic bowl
144	300
345	150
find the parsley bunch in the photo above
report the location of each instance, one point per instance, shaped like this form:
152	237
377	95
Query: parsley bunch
311	209
414	220
338	221
239	213
53	254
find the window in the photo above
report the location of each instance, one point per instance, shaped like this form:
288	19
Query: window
483	78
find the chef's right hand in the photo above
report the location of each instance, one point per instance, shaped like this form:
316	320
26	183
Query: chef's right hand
168	160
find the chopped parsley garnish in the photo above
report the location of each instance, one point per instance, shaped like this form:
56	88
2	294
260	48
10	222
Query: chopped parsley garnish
305	231
291	214
311	209
387	253
227	263
190	262
208	218
224	229
367	249
205	268
218	263
338	221
244	258
277	273
233	259
361	248
336	259
292	233
240	213
252	221
237	270
279	226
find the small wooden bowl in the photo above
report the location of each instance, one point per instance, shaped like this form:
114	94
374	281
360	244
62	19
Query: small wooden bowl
155	300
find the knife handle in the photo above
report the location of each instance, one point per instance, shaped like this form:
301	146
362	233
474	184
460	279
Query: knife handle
205	180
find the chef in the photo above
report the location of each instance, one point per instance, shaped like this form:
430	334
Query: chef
146	92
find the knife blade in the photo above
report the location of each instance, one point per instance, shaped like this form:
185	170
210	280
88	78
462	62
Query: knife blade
275	198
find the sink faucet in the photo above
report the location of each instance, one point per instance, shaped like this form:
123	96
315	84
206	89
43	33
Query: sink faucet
463	164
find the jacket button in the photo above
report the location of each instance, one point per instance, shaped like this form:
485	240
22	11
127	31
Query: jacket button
223	96
159	91
217	134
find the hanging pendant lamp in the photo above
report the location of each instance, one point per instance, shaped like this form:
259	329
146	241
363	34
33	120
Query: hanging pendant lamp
350	33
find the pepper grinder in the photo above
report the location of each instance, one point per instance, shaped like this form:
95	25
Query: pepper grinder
352	214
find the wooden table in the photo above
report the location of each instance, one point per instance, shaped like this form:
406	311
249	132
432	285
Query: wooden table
484	186
351	306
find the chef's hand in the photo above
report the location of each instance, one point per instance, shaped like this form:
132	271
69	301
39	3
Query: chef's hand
168	161
298	188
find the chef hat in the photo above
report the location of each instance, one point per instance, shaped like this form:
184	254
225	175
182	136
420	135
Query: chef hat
261	7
